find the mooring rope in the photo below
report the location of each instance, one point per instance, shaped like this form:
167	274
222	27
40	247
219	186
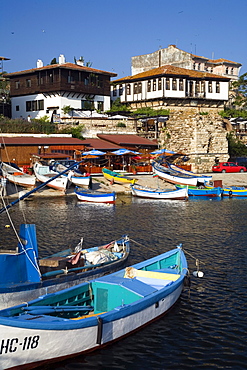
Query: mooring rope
141	245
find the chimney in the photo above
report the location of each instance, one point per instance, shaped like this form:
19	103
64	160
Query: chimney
62	59
80	62
40	63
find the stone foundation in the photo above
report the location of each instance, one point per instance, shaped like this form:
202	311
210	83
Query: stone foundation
201	137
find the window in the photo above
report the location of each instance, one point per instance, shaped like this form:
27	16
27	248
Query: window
120	89
34	105
197	87
128	88
181	84
17	108
114	90
154	85
194	65
199	66
87	104
203	87
210	89
100	105
174	84
51	78
17	85
232	71
139	87
217	87
135	88
28	83
86	81
149	86
227	71
167	83
159	84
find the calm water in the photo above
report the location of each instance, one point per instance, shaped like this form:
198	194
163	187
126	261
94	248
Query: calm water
207	328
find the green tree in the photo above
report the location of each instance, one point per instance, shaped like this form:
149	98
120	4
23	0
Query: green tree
241	86
117	106
236	148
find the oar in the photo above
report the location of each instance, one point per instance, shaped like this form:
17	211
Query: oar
46	310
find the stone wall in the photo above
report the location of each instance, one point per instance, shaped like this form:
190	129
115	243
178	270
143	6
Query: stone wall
94	126
201	137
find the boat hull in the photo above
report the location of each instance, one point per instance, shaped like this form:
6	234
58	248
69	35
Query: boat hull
30	338
33	347
95	197
143	192
18	177
169	176
203	192
59	183
117	178
234	191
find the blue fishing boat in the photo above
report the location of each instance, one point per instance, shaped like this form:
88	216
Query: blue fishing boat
233	191
202	191
91	315
25	276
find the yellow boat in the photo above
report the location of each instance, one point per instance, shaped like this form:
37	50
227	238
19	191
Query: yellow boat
117	177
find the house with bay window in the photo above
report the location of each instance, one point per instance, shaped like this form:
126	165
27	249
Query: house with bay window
170	87
45	90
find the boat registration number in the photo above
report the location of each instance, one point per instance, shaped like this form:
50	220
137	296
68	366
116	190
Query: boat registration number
12	345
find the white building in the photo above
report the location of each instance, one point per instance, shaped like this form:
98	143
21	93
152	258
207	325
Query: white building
46	90
170	86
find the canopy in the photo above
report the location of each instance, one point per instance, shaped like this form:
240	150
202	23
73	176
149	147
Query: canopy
94	152
124	151
163	151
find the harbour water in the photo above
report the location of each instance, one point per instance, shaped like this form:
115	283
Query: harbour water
207	327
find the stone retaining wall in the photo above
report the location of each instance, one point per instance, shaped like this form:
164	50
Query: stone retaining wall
201	137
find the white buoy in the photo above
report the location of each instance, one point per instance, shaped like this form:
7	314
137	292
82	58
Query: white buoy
199	274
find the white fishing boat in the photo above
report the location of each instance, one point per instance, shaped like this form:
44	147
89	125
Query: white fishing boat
44	173
95	196
15	175
146	192
74	176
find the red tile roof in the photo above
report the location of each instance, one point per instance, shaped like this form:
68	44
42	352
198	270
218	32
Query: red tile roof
65	66
100	145
221	60
128	140
29	141
169	70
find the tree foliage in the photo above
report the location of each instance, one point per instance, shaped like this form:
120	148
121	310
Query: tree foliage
149	112
241	86
117	106
233	113
236	148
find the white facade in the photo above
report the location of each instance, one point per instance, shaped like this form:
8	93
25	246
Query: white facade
169	87
47	105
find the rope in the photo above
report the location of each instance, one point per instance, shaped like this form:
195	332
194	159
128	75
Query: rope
197	260
141	245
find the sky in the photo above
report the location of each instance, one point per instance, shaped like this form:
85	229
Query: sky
108	33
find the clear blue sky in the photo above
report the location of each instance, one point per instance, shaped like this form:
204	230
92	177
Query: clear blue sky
108	33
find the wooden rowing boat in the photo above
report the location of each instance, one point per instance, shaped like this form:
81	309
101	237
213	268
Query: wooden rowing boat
146	192
95	196
202	191
91	315
44	173
117	177
24	276
17	176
